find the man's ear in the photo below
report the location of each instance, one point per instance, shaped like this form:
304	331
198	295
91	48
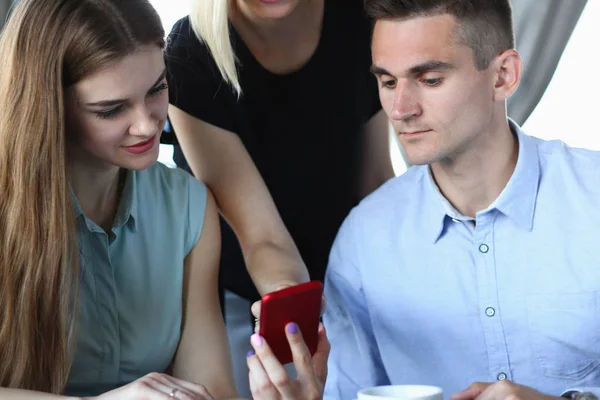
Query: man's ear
508	68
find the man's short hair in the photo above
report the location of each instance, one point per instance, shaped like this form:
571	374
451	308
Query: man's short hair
485	26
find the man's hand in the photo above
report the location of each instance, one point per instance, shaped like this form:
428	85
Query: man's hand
503	390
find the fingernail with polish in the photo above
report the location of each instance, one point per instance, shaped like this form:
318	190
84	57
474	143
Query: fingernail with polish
250	353
256	340
292	328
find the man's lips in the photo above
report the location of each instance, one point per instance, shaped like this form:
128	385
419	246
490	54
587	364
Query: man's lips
415	132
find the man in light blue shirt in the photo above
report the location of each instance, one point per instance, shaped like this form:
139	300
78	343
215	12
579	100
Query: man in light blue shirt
480	263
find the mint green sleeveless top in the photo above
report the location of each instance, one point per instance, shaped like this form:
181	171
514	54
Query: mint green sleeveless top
130	292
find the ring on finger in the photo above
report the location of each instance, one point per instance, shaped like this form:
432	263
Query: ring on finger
173	392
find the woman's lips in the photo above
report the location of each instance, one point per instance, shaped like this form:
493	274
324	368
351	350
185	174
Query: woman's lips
141	147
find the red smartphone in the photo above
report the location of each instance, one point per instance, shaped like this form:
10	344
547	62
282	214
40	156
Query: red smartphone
300	304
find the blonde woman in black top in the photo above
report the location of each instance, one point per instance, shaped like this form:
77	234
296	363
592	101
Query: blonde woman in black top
275	109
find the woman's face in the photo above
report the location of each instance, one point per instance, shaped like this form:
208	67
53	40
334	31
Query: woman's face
269	9
116	115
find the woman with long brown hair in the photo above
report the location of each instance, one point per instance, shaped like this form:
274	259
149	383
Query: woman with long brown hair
108	260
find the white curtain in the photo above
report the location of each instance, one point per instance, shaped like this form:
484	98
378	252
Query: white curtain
542	30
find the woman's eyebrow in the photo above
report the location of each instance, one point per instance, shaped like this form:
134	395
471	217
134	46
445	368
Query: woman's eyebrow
108	103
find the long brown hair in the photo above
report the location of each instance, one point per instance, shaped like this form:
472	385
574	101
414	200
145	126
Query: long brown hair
45	47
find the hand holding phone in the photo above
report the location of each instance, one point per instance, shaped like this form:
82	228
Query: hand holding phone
300	304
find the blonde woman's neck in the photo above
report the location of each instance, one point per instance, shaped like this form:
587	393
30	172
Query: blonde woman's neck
307	12
281	45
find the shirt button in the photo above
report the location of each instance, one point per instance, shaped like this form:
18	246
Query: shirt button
490	312
501	376
484	248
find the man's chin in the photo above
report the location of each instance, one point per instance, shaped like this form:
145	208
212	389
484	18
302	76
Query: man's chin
419	159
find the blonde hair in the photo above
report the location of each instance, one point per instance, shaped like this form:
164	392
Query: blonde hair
46	46
210	22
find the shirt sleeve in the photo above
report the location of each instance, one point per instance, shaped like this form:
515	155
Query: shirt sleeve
354	361
195	83
197	198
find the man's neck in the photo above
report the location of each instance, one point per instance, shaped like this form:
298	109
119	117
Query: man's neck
473	181
98	190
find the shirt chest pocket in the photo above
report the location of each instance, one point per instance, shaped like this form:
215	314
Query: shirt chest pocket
565	334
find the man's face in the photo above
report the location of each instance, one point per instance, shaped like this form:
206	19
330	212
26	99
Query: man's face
438	102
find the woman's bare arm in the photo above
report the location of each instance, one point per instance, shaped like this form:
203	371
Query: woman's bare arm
203	355
219	158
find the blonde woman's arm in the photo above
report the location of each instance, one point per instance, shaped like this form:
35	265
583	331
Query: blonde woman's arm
218	158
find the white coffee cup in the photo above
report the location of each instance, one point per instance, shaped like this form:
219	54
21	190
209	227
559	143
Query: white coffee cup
401	392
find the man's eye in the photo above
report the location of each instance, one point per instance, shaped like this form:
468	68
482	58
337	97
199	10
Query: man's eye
109	113
388	84
158	90
432	81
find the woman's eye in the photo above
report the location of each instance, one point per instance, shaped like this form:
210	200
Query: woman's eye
109	113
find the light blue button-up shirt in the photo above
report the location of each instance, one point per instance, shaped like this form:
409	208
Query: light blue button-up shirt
130	292
418	294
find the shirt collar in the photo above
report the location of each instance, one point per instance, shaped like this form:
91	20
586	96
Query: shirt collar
516	201
435	207
75	202
128	206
